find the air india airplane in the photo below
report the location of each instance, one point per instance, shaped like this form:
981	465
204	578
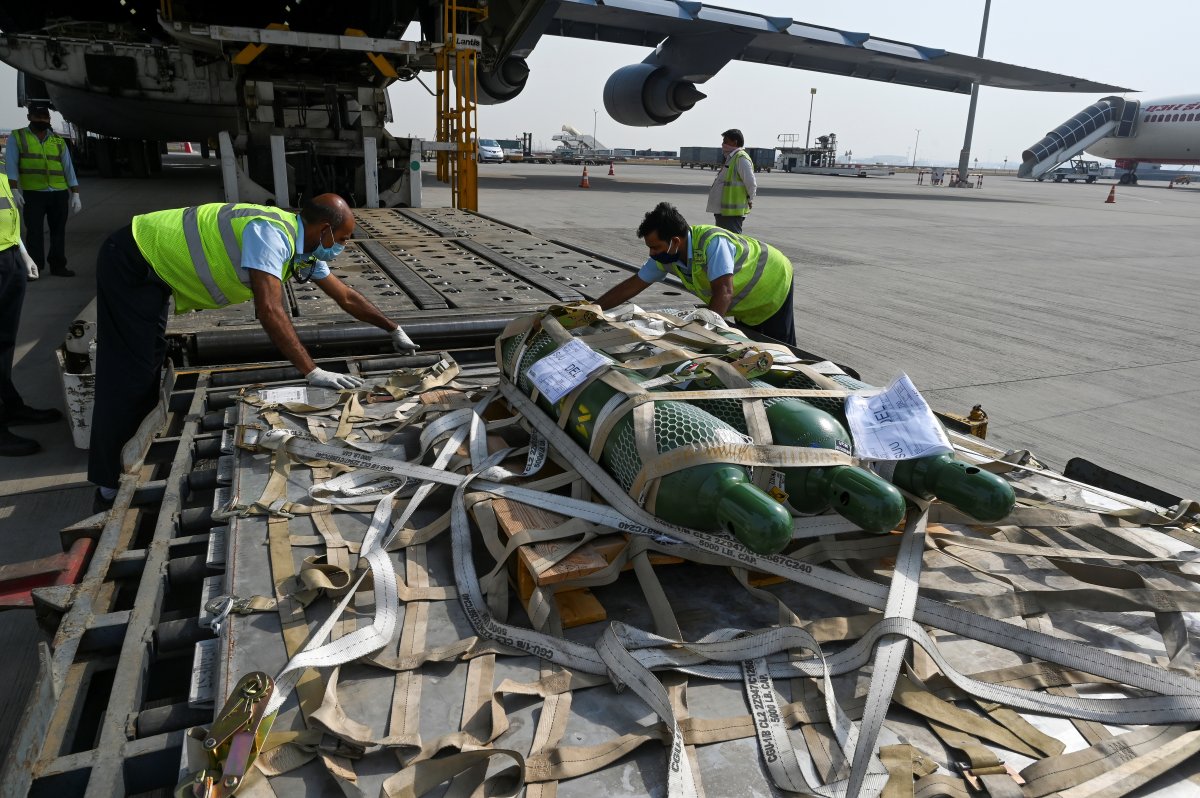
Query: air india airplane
1130	132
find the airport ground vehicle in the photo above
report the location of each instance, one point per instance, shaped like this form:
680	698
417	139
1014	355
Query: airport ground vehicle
1076	169
490	151
712	157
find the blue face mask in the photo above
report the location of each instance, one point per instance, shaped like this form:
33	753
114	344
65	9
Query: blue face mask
665	257
322	252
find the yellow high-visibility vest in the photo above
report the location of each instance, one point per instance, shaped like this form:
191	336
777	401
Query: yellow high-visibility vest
762	275
10	217
735	200
40	164
198	251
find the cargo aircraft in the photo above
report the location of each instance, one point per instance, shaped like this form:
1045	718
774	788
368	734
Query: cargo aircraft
1130	132
174	71
295	91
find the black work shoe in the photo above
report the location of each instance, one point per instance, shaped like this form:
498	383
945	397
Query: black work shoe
99	503
63	272
31	415
12	445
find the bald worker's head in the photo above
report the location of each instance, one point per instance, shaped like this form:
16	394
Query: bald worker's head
328	220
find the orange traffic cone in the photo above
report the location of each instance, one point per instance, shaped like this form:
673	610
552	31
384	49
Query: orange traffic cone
584	182
611	173
1112	195
187	147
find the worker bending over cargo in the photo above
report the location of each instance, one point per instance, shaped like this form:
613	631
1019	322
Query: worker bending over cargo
207	257
735	275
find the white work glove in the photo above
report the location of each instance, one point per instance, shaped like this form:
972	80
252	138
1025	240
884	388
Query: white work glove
76	203
19	198
31	269
402	343
321	378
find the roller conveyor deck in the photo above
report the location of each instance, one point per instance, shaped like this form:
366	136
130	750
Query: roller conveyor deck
450	277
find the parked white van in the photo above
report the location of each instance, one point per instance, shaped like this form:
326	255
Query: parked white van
490	151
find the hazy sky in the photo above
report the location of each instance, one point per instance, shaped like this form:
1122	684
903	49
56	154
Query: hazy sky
1095	41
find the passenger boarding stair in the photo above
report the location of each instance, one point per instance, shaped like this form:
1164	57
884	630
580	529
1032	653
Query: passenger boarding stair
1111	116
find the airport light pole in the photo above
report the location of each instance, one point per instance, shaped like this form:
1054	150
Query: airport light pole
594	131
964	157
812	95
915	143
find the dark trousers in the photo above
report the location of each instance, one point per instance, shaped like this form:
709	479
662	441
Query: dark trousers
42	207
781	326
12	296
731	223
131	345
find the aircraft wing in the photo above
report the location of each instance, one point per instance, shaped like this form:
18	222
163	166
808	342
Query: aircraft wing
781	41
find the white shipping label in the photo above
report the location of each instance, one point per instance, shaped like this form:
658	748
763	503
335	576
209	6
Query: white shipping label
564	369
896	424
293	393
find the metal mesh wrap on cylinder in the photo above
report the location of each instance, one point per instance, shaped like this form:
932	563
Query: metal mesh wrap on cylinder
538	345
676	424
827	403
730	410
509	349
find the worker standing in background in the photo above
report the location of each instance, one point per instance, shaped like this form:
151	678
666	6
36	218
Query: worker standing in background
732	194
16	268
735	275
42	177
205	257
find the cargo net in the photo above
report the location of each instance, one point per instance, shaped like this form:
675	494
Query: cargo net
829	404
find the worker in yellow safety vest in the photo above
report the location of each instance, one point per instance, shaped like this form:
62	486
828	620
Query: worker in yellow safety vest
732	193
734	275
42	179
205	257
16	268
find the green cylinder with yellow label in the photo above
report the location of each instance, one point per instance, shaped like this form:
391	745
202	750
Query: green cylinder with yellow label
857	495
708	497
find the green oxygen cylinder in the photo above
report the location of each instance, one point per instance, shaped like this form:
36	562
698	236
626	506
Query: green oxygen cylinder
857	495
710	497
978	493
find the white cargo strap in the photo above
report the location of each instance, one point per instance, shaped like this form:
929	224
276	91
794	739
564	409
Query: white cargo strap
935	613
1183	692
360	642
1103	708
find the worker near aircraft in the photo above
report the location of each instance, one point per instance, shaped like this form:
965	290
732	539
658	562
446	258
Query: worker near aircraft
735	275
16	268
207	257
42	179
732	194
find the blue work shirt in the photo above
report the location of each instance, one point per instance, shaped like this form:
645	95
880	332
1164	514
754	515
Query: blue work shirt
12	168
266	248
720	261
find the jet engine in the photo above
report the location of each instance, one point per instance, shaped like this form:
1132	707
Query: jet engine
504	82
647	95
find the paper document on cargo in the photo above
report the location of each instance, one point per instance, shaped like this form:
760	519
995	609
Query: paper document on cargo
292	393
895	424
565	369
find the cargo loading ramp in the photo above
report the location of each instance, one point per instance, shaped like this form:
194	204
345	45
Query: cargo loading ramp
449	277
125	677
